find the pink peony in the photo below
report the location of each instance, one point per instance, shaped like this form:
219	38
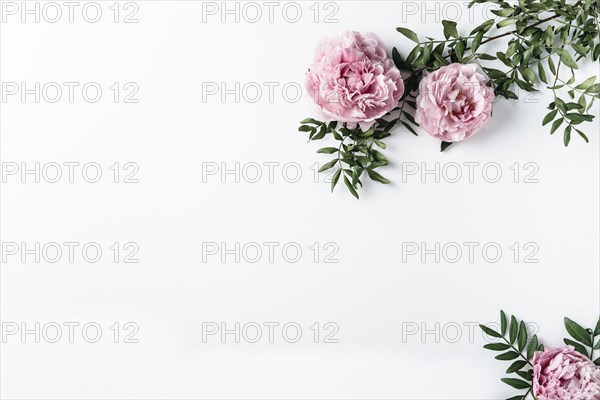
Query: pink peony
454	102
352	79
565	374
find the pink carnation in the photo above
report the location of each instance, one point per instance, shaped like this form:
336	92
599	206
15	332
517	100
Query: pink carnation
565	374
352	80
454	102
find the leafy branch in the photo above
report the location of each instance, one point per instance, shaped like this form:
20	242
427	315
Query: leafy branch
586	341
358	152
355	155
515	344
568	35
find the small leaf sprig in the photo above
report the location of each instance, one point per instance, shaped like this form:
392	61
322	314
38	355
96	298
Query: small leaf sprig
357	151
517	344
356	154
543	36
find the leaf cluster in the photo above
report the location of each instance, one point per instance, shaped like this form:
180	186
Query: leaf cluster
516	345
585	341
541	37
358	152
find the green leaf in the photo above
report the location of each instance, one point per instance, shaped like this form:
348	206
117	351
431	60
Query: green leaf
594	89
327	150
398	60
409	34
549	33
486	26
566	58
579	49
536	7
524	375
549	117
586	84
321	134
350	188
556	125
509	94
542	73
516	383
335	179
306	128
410	128
380	144
444	147
487	57
567	135
490	332
579	118
513	330
441	59
597	329
504	12
494	73
506	22
367	133
577	332
412	56
378	156
552	66
528	75
511	355
477	41
328	166
459	49
424	57
583	103
564	34
450	29
516	366
522	336
496	346
580	133
503	322
578	346
502	57
532	347
561	105
374	175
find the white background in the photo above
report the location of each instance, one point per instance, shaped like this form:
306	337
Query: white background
371	294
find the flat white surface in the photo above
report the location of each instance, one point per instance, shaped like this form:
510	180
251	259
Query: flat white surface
371	294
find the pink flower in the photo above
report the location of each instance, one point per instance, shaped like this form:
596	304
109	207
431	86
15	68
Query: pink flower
454	102
352	80
565	374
